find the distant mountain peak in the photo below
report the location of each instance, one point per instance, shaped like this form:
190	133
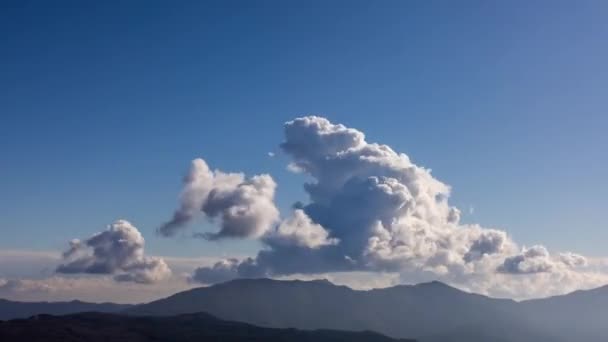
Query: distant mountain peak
434	283
438	285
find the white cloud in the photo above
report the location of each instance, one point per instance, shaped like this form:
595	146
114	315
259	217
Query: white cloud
245	207
117	251
572	259
537	259
219	272
300	231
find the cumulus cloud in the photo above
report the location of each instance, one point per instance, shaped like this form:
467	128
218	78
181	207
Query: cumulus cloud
371	209
245	207
300	231
489	241
573	259
387	213
118	251
533	260
221	271
537	259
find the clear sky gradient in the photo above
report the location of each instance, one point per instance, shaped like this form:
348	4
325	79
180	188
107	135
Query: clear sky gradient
103	105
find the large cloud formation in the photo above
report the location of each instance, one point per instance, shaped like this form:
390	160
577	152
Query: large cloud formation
370	209
245	207
118	251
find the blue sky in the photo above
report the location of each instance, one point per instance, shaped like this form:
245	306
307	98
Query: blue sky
103	105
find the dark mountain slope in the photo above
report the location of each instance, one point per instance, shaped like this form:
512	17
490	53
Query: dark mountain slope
265	302
10	309
93	327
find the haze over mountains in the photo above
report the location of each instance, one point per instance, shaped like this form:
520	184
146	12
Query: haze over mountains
11	309
432	312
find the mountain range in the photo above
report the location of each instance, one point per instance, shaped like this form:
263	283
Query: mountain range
428	312
11	310
94	327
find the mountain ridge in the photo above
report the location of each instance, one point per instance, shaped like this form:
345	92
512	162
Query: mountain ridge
94	327
13	309
416	311
431	311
